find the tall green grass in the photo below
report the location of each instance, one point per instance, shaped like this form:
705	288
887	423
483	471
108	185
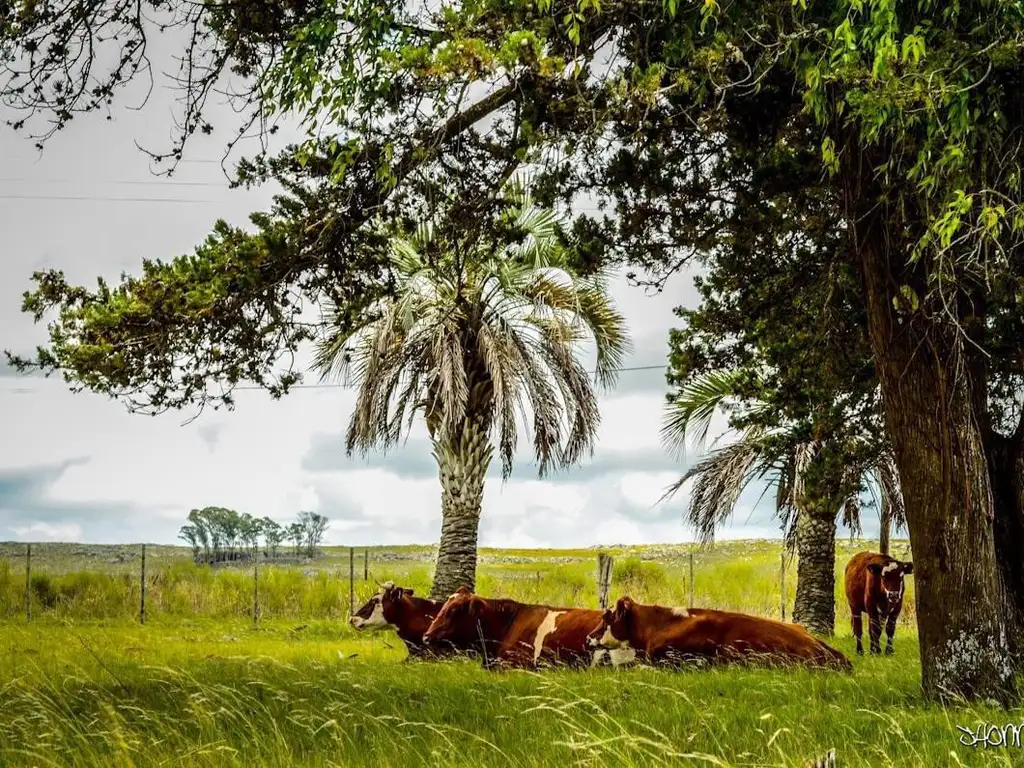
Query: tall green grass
741	576
85	684
220	693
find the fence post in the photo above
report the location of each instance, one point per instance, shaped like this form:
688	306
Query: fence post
142	594
28	583
366	565
782	579
256	590
691	578
351	581
604	578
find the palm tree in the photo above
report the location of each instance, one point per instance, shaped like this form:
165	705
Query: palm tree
469	339
807	502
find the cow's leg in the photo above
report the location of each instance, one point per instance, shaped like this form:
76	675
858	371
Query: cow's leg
875	631
890	630
858	630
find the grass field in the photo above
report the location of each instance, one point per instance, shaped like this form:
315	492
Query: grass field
200	685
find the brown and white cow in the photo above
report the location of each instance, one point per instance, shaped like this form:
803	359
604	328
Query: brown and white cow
396	608
874	585
663	635
518	634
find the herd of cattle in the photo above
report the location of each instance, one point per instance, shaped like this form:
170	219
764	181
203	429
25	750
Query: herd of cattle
509	633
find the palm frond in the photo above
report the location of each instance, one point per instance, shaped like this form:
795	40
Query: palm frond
887	476
851	515
608	328
690	412
718	481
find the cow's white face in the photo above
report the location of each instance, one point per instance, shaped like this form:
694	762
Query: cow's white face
371	615
891	581
613	631
606	640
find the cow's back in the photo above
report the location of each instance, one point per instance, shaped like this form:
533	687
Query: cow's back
730	636
549	634
567	642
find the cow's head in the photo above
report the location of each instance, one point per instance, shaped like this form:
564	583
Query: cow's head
613	631
381	610
456	622
889	578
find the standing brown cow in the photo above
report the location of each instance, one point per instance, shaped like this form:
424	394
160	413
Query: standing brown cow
396	608
874	585
674	635
517	634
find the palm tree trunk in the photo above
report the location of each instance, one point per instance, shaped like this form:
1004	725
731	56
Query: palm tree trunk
815	605
462	464
885	521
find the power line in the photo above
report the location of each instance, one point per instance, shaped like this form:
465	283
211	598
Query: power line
89	198
252	387
130	182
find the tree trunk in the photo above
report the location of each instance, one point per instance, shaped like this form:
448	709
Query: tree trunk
815	605
1006	467
885	525
933	404
462	464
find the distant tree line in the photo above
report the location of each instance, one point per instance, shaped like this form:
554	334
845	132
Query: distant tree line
217	534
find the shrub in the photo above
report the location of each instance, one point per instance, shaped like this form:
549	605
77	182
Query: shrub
638	578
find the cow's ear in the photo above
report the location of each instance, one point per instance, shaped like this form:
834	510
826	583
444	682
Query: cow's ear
407	592
463	590
875	568
623	607
908	567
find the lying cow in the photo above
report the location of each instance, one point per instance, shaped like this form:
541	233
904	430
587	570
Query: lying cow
673	635
396	608
874	585
518	634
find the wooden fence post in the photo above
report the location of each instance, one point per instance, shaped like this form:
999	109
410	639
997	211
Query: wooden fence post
351	581
691	578
28	583
256	590
604	578
782	579
142	593
366	565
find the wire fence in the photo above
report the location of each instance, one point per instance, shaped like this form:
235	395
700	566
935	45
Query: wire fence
143	582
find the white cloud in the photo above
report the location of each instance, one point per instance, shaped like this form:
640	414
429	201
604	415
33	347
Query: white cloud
645	489
58	532
618	531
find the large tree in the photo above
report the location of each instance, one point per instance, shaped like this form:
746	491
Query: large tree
478	330
713	129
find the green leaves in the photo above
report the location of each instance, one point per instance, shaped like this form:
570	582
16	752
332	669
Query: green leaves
912	49
829	158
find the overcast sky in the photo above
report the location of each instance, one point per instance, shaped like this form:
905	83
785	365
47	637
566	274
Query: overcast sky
79	467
